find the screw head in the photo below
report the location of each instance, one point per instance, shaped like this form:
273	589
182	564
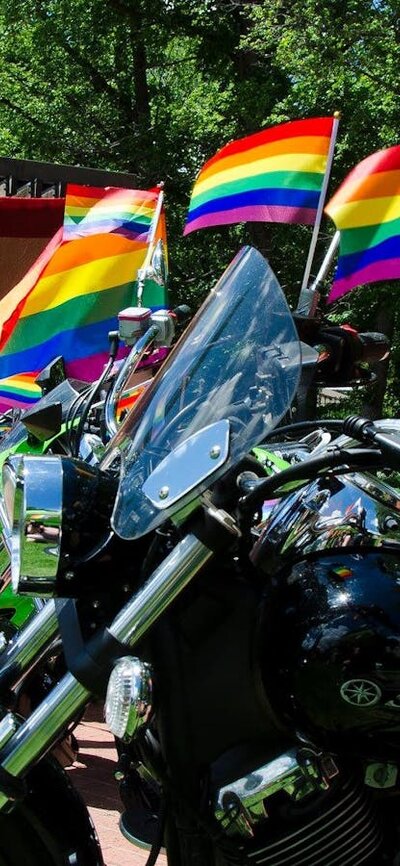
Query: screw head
215	452
163	492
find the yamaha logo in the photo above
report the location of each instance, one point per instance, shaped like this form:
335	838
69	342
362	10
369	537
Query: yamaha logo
360	693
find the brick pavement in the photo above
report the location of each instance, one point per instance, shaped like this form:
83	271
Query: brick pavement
93	776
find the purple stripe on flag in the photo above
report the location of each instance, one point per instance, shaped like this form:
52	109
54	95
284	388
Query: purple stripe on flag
8	401
374	273
263	213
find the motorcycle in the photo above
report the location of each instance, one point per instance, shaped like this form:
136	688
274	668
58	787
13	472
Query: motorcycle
251	666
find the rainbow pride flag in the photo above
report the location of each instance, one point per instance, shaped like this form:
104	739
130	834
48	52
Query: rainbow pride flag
69	300
272	176
366	210
92	210
21	389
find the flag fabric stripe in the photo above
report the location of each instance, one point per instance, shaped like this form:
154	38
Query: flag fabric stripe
314	126
71	344
356	240
366	210
69	301
90	250
36	329
19	391
373	273
268	176
374	211
82	280
349	264
305	145
281	197
274	180
271	213
121	211
381	184
290	163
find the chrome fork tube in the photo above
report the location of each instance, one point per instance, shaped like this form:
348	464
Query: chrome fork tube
39	732
28	646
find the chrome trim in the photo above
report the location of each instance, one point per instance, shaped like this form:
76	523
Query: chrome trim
129	701
39	732
121	382
188	465
166	582
37	525
240	805
28	646
5	528
8	726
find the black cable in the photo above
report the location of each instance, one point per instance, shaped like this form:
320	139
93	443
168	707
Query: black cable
89	402
158	841
326	423
308	469
72	415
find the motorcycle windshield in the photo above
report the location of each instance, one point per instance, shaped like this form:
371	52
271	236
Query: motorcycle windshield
228	382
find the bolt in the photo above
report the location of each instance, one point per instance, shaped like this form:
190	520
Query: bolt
164	493
215	452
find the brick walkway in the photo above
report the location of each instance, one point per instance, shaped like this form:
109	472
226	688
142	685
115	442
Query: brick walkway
93	776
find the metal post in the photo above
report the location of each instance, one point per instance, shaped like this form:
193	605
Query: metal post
318	218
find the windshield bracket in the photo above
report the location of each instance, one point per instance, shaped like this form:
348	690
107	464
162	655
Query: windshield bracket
188	465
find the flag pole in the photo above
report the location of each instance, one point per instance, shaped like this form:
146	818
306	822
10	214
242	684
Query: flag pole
305	302
142	272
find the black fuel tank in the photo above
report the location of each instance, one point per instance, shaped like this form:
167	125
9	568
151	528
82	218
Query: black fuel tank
330	639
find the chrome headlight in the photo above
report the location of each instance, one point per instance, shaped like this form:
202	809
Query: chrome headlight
129	697
56	509
32	489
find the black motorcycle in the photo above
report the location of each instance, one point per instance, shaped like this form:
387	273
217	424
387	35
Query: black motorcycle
252	662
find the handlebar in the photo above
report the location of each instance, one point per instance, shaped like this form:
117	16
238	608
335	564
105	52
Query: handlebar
385	452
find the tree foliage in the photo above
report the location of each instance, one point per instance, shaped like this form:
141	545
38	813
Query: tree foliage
156	88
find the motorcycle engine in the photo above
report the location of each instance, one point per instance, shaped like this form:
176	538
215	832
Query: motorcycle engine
299	809
331	652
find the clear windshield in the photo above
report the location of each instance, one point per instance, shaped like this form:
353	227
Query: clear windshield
238	363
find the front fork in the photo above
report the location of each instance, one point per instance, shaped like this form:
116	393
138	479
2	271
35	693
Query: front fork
41	730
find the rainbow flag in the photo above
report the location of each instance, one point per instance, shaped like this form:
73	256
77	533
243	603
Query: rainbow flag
21	389
92	210
69	300
366	210
272	176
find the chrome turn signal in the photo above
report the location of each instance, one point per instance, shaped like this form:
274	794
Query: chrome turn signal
129	698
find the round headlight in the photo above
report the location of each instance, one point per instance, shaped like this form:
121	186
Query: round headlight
129	697
36	503
57	512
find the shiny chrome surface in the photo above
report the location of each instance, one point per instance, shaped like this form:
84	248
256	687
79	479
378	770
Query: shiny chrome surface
331	513
189	464
36	528
91	448
166	582
129	701
7	498
39	732
28	646
121	382
8	726
240	805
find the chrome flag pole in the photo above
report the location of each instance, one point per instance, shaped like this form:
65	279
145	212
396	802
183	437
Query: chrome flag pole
307	299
